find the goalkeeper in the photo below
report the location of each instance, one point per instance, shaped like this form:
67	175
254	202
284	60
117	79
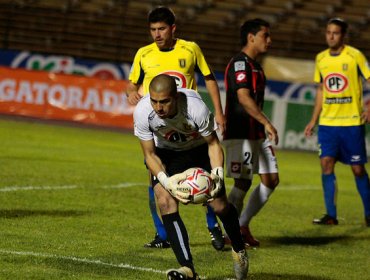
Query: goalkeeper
176	132
180	59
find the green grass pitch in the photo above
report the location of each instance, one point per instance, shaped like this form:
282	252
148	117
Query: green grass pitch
73	205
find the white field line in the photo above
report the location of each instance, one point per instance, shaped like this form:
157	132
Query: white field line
133	184
86	261
32	188
81	260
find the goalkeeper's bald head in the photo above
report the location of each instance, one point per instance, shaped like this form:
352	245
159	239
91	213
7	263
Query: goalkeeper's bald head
163	83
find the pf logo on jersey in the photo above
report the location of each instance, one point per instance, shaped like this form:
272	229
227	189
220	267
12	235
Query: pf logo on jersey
179	78
335	83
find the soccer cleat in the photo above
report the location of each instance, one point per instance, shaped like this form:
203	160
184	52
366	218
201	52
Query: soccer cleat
367	221
217	238
325	220
181	273
248	238
241	264
157	242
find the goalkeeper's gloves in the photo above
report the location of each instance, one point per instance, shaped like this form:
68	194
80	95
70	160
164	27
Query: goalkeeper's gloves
217	175
171	184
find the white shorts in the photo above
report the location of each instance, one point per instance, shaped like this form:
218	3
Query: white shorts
247	157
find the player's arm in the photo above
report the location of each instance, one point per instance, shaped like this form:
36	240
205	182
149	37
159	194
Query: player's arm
308	131
155	165
153	162
214	92
216	156
253	110
366	113
132	92
215	151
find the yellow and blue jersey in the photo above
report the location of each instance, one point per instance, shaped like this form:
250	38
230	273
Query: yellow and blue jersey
341	77
181	62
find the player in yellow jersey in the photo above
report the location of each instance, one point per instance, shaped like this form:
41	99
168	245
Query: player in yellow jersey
179	59
339	107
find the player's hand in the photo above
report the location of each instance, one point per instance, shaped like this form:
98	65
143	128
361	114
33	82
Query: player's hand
272	133
217	175
365	116
172	185
181	193
221	122
133	98
308	131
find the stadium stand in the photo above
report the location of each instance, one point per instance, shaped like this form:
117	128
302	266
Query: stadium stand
112	30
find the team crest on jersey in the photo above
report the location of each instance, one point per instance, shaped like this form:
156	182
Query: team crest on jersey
179	78
345	67
182	62
239	66
335	83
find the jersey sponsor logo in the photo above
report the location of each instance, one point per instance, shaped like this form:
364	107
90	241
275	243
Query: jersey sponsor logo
236	167
239	66
335	83
345	67
178	137
342	100
241	77
179	78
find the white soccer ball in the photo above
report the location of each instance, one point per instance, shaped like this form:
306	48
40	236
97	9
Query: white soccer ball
200	183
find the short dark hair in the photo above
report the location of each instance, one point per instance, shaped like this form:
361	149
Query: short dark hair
340	22
163	83
251	26
162	14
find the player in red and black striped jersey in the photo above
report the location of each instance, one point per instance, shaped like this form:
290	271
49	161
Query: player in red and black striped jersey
242	73
248	130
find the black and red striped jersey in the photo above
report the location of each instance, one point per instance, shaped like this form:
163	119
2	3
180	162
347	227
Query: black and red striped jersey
243	72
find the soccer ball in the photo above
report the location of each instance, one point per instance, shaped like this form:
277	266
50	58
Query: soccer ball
200	183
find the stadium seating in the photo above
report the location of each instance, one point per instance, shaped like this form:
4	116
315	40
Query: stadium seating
113	30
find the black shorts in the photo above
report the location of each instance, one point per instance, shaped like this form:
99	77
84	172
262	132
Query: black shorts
179	161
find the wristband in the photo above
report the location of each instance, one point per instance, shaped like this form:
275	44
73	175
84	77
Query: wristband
162	178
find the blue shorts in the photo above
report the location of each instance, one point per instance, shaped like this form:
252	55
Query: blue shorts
344	143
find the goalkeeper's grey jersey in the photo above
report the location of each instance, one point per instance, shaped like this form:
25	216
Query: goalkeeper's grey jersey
183	131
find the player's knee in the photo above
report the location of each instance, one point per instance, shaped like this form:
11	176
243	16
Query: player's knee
166	204
358	170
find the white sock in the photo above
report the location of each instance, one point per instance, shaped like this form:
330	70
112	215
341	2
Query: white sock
257	199
236	197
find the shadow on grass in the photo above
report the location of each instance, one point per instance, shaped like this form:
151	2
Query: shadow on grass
23	213
271	276
310	241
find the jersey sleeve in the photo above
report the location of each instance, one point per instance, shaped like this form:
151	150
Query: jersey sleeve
203	117
136	73
201	61
141	123
240	74
317	76
363	65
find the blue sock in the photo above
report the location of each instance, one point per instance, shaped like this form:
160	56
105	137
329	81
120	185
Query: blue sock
157	221
363	188
329	184
211	217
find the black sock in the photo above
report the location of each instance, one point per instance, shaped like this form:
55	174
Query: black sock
178	237
231	225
